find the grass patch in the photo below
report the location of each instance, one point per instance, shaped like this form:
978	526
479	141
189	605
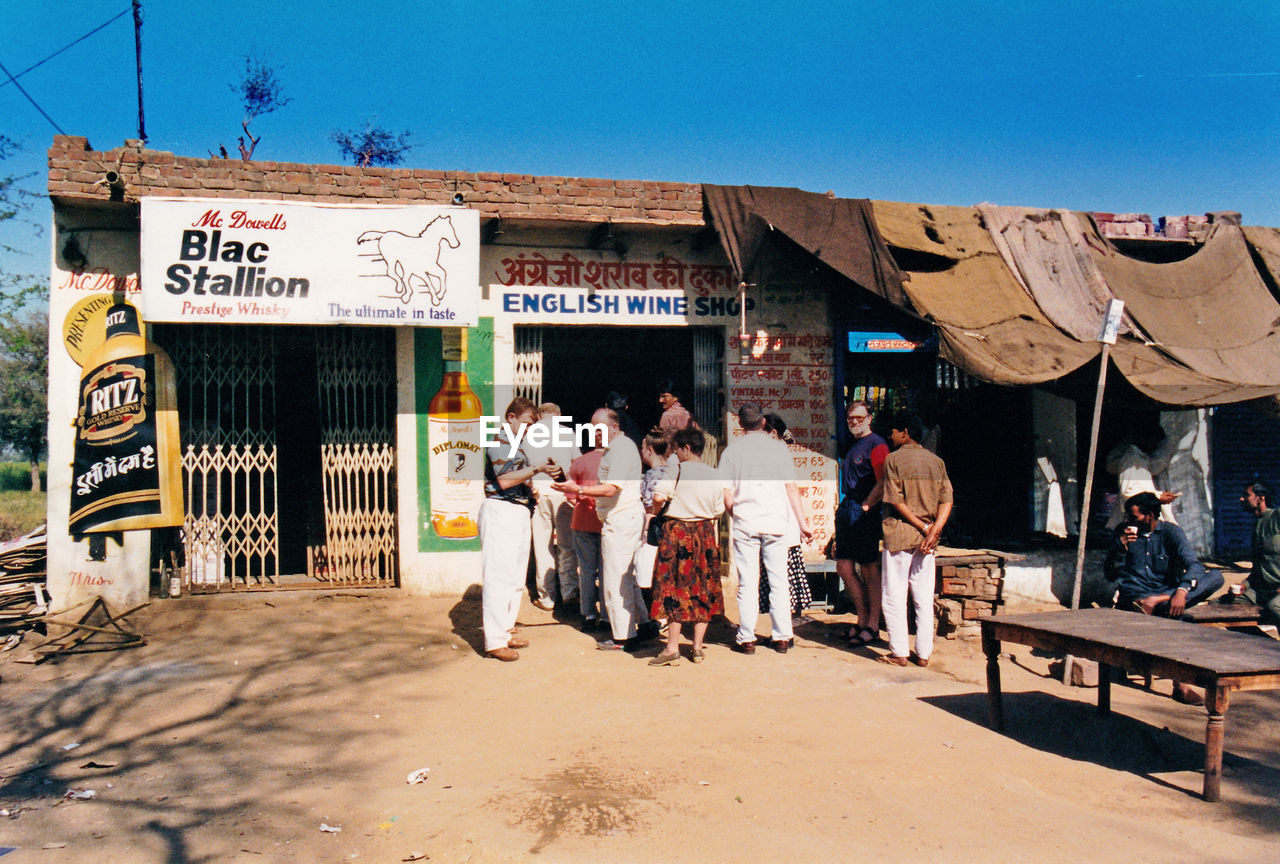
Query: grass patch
16	476
20	512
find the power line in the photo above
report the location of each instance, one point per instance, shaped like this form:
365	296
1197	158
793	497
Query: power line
43	113
14	78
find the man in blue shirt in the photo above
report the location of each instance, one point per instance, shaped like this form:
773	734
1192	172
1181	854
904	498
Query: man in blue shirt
858	523
1158	571
1156	567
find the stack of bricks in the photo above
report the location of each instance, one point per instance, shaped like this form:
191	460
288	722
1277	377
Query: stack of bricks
76	172
1124	224
968	587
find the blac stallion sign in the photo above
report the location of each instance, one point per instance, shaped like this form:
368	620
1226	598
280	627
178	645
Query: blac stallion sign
270	262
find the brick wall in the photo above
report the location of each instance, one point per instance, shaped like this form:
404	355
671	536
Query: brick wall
74	170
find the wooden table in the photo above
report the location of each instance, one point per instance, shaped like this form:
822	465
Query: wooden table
1218	660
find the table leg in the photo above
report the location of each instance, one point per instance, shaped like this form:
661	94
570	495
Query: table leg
1216	700
1104	688
995	706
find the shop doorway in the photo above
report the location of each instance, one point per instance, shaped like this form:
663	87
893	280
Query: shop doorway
288	455
982	431
577	367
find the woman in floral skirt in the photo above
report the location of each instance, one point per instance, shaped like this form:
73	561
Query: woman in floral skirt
686	577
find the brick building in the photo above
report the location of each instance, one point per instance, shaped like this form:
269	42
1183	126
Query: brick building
584	286
305	436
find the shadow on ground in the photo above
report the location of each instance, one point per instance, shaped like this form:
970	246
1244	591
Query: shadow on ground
466	620
1074	730
255	722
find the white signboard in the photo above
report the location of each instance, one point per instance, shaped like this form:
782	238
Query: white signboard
649	288
273	262
652	308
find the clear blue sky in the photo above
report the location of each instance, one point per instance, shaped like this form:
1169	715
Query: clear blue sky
1164	108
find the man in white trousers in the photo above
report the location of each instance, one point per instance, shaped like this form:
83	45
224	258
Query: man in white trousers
555	557
761	478
505	529
918	499
622	516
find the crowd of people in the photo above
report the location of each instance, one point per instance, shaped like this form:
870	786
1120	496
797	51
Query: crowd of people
627	532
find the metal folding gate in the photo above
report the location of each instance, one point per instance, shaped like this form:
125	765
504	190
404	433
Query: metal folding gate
708	378
528	363
356	373
226	411
231	392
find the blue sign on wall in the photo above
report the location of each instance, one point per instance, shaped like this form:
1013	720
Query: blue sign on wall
882	342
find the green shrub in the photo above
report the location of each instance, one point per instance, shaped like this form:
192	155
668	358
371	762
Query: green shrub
16	476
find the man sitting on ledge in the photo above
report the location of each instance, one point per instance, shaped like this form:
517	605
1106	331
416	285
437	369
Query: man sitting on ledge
1263	585
1158	571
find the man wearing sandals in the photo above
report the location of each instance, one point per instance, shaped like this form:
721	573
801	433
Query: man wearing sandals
917	497
858	522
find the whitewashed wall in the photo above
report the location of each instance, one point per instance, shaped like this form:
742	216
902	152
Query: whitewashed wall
124	578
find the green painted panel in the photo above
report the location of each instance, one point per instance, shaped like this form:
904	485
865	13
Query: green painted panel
428	373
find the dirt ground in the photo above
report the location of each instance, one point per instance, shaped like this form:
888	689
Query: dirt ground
248	722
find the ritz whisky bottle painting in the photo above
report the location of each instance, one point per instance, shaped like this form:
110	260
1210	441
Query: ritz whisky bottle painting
456	463
127	472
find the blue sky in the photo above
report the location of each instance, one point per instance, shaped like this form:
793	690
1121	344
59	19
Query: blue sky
1163	108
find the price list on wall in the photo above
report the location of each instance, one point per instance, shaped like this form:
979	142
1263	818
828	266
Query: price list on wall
790	375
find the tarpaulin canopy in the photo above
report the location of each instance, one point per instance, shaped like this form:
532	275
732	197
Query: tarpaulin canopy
987	324
1265	245
840	232
1018	296
1067	267
1211	312
1048	255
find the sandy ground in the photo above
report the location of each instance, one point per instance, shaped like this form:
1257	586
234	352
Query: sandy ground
248	722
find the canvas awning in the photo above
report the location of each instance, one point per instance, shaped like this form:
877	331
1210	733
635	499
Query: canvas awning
840	232
987	324
1211	312
1017	294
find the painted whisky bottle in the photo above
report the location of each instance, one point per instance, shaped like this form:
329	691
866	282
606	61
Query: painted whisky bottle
454	438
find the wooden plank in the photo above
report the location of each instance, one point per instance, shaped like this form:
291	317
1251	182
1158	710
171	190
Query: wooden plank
963	560
1213	613
1252	682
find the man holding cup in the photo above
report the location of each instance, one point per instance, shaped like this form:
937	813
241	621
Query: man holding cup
1157	570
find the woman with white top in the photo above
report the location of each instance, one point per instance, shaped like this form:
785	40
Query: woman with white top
686	577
